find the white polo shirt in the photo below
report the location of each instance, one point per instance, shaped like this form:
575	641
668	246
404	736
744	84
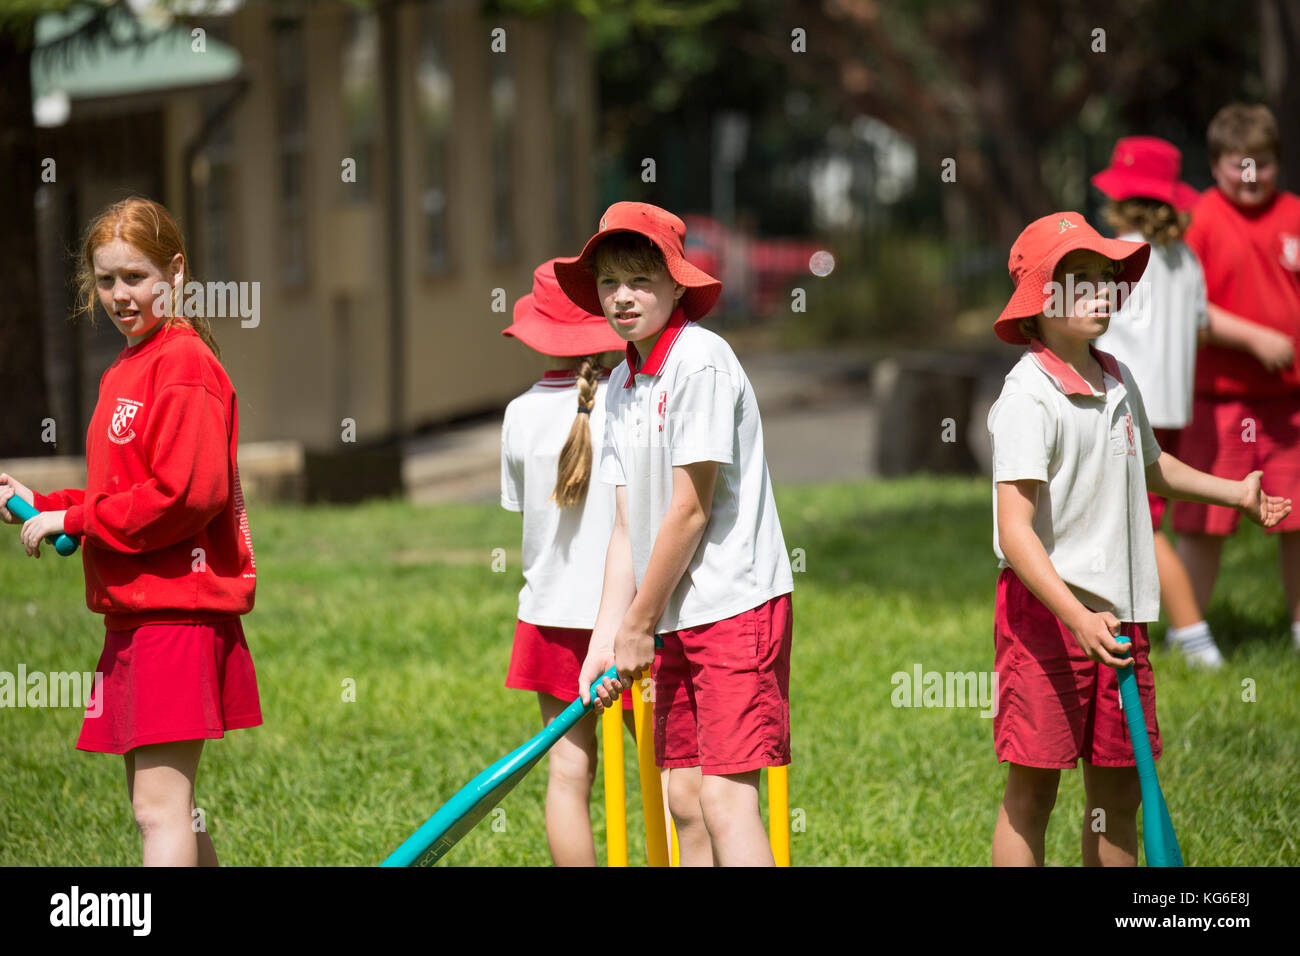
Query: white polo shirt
1091	451
563	548
691	402
1155	333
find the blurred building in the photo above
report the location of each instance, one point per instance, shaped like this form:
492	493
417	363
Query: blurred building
387	178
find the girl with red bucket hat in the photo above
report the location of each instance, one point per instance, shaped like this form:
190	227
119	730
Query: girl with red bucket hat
697	558
1073	457
546	463
1156	335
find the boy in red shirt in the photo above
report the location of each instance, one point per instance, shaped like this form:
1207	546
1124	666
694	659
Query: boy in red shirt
1246	413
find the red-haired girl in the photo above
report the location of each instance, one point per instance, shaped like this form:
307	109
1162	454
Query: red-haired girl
166	548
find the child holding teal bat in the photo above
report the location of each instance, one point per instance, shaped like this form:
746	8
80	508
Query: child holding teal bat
166	548
1073	459
697	579
546	464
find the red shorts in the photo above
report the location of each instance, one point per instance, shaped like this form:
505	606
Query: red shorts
722	692
1230	438
1056	707
165	682
1167	439
549	660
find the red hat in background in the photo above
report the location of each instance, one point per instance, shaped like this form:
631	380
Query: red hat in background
547	321
667	232
1147	167
1035	254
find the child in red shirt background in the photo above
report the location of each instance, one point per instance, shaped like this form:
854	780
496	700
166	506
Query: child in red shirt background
1246	413
167	553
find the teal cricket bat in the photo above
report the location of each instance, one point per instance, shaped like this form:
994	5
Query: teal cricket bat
1158	837
64	544
473	801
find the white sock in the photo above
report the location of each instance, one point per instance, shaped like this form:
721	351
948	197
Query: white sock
1295	633
1196	644
1191	638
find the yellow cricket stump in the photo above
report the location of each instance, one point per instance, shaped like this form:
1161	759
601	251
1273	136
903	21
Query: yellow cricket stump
778	813
662	847
652	795
615	800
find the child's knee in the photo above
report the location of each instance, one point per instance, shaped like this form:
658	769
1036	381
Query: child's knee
684	798
154	813
727	797
1115	789
573	768
1031	792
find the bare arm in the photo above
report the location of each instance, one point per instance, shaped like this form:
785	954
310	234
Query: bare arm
615	597
1017	502
625	623
1274	350
1172	478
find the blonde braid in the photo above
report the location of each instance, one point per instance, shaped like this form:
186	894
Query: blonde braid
573	474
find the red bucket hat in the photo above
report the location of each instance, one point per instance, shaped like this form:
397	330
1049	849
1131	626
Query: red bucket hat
1149	167
1034	257
547	321
667	232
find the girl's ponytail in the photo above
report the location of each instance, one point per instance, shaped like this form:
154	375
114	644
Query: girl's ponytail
574	472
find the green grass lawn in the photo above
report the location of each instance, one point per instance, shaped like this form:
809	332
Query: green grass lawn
403	600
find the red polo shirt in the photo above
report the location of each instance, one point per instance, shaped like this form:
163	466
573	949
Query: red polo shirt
162	515
1251	260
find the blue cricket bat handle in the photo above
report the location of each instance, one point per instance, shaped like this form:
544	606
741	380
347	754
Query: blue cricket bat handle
1157	829
466	807
63	543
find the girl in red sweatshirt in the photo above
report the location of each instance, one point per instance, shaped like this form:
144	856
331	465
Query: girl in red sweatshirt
165	543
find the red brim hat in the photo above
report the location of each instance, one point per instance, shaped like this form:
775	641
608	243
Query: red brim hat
1120	186
1146	167
667	232
547	321
1035	255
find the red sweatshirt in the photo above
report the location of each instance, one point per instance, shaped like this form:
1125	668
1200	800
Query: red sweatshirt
165	534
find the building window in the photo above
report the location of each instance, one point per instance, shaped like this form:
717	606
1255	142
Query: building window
434	102
503	142
291	137
216	195
360	100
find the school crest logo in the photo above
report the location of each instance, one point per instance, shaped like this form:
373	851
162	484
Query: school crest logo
120	430
1065	224
1128	433
662	408
1290	251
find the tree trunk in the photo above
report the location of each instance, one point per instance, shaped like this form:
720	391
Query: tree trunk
23	399
1279	61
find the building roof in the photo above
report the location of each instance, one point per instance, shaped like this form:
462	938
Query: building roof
135	55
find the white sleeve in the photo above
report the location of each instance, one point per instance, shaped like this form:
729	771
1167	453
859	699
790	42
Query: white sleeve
700	421
611	456
1023	437
512	470
1150	447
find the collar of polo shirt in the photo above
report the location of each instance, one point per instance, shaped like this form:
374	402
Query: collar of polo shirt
654	363
1066	378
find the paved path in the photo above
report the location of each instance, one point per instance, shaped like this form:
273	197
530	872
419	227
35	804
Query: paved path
816	425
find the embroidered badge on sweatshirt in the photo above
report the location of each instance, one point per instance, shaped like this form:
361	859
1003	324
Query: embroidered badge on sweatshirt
120	431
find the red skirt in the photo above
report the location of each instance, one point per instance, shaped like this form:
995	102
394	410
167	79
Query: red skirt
166	682
548	660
